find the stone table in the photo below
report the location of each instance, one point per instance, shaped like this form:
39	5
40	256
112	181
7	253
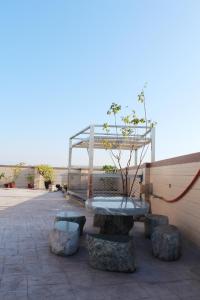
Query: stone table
111	252
114	215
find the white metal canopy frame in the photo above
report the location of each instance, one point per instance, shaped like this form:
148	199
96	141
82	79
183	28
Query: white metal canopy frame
95	137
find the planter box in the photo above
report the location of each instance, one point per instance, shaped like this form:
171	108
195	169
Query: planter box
30	186
12	185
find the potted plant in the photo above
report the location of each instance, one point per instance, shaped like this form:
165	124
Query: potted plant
47	173
30	180
12	184
6	180
109	169
16	172
2	175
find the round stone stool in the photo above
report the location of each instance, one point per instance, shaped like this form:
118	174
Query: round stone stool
111	252
72	216
64	238
151	221
166	242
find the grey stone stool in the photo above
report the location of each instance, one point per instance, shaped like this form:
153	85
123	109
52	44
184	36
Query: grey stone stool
166	242
64	238
72	216
151	221
111	252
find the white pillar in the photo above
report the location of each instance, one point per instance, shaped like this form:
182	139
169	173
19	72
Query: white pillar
69	162
153	144
91	159
136	157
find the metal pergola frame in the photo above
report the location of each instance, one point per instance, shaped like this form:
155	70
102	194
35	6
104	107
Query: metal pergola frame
94	136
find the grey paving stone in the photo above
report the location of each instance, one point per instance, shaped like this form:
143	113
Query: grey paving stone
48	279
22	295
13	283
130	291
57	291
97	293
28	271
185	288
158	290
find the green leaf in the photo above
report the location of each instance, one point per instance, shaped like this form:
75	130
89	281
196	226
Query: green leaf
115	108
106	127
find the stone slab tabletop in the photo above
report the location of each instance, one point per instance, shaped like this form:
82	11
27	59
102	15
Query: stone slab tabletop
125	206
68	214
66	226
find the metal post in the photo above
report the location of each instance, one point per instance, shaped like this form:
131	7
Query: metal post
153	144
91	159
69	162
136	157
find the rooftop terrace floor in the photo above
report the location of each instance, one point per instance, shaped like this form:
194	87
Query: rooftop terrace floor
29	271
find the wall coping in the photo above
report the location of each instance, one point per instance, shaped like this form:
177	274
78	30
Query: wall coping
55	168
183	159
13	166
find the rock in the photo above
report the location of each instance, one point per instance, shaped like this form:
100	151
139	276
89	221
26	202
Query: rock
113	224
72	216
64	238
111	253
151	221
166	242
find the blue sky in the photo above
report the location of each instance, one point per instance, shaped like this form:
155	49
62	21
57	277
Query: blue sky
62	63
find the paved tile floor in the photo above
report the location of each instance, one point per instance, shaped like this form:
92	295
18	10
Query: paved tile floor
29	271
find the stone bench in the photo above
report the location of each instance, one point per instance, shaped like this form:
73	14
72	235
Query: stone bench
152	221
72	216
166	242
111	252
64	238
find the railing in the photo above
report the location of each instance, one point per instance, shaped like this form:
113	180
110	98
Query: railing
102	184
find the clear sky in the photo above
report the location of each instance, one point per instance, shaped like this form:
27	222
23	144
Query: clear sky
62	63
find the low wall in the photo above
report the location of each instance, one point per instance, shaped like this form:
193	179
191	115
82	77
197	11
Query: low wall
21	182
169	178
61	176
166	178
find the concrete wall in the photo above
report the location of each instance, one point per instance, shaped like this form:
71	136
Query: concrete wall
21	182
169	179
61	176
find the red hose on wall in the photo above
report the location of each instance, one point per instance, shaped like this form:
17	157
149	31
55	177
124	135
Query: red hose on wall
185	191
